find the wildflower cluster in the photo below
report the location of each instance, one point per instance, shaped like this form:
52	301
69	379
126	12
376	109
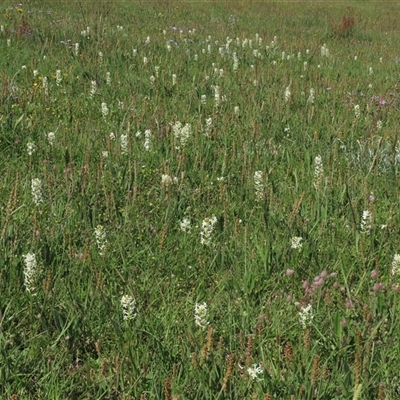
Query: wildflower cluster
207	228
201	315
129	308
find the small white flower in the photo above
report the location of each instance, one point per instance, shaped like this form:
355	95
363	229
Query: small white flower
104	154
259	185
124	144
35	73
58	77
108	78
208	128
173	79
45	84
324	51
8	42
306	315
366	222
76	49
51	137
104	109
217	97
129	309
167	180
101	239
203	99
36	190
207	228
311	97
357	111
30	148
93	88
396	265
181	134
112	136
371	71
30	271
254	371
296	242
318	171
147	139
145	60
201	315
287	94
185	225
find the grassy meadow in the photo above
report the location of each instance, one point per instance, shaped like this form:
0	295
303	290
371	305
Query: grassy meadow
199	200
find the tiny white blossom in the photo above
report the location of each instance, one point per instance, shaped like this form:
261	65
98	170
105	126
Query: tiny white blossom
112	136
76	49
129	308
30	148
181	134
51	137
101	239
185	225
318	171
58	77
45	84
396	265
207	228
296	242
93	88
259	185
201	315
287	94
366	222
167	180
104	109
324	51
108	78
357	111
124	144
254	371
203	99
311	97
104	154
30	272
306	315
217	97
173	79
147	139
36	190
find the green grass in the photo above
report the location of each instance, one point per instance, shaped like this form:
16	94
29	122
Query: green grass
63	334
